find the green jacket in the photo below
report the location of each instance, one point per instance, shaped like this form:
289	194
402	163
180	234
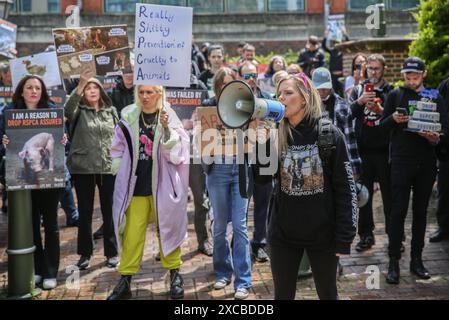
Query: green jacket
92	136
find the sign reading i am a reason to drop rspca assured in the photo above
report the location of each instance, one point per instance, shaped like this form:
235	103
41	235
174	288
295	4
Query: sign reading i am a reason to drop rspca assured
35	154
163	42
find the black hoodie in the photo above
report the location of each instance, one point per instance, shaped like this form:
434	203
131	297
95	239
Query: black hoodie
409	146
121	96
317	204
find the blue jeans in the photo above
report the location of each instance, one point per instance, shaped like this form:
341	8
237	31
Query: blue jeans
223	186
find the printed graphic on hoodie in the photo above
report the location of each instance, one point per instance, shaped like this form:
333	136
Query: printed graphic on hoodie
302	171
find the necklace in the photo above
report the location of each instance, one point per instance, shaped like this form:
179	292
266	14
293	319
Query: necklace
152	125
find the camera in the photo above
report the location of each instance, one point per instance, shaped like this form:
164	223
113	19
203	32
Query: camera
358	67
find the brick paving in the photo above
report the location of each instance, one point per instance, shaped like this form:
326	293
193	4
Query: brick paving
152	282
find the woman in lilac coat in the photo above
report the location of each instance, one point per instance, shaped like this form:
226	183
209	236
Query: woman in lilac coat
151	186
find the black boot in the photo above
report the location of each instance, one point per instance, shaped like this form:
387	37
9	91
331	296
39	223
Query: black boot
393	271
439	236
176	285
417	268
122	290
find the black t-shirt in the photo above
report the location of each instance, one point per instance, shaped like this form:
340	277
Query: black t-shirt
409	146
370	138
145	163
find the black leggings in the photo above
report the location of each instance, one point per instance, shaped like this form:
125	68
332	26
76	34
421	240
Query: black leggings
285	265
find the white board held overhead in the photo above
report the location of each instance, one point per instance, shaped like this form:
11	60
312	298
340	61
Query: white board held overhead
163	45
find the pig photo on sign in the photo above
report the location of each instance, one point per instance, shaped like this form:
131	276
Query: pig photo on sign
37	153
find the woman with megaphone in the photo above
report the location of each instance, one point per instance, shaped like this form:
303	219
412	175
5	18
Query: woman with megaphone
318	213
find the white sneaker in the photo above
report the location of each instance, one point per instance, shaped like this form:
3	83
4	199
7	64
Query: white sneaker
49	284
220	284
241	294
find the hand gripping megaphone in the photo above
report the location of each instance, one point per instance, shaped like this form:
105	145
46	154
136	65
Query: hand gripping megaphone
237	105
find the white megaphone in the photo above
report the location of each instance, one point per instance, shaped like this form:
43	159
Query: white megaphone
237	106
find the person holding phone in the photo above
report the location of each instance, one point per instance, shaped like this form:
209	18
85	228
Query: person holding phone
366	102
413	166
358	73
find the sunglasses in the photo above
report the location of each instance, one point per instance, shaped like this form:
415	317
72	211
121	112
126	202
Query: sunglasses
248	76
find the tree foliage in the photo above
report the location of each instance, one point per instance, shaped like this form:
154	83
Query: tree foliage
432	44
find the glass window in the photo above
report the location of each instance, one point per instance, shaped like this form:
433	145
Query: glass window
360	4
403	4
53	6
286	5
246	6
171	2
21	6
121	5
206	6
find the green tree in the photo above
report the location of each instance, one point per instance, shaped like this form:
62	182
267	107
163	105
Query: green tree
432	44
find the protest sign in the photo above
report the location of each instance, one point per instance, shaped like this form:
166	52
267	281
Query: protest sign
334	24
215	139
44	65
185	101
8	36
35	155
163	43
103	49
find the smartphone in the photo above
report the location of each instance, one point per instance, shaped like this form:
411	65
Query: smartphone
369	87
402	111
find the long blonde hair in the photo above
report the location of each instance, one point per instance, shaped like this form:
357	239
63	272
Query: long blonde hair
312	107
159	89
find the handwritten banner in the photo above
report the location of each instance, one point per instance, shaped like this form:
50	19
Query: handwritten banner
163	45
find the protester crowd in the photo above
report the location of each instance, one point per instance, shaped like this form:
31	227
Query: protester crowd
126	141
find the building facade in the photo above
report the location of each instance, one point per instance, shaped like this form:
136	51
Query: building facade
272	25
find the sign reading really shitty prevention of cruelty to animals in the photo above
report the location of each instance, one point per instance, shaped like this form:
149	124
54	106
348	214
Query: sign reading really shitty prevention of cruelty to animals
35	154
44	65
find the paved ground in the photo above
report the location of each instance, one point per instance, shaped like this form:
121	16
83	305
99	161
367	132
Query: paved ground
152	282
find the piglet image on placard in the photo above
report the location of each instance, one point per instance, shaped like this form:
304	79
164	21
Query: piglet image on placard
37	154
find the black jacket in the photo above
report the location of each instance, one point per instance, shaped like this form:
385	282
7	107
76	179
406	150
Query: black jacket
309	60
314	206
409	146
336	57
370	138
122	96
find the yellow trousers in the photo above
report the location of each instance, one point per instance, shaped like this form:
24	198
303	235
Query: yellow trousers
140	213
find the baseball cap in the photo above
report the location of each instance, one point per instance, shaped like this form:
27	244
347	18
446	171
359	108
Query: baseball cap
413	64
322	79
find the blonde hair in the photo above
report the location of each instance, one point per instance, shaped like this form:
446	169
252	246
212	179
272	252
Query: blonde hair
219	78
312	107
159	89
278	74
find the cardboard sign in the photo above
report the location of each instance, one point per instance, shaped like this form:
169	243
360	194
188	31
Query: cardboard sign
35	155
44	65
214	138
104	49
163	45
8	36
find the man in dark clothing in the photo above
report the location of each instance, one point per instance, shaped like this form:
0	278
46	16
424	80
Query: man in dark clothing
123	93
413	164
311	57
443	182
367	109
198	57
336	60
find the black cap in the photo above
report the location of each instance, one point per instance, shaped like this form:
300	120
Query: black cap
413	64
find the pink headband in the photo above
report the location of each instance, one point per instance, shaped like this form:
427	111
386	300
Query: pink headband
304	79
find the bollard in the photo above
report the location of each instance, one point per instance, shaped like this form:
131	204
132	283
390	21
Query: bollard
20	246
